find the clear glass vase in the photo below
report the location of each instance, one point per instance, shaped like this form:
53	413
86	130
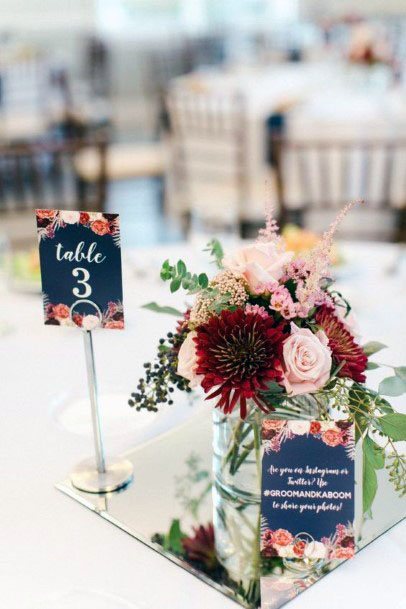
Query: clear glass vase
237	483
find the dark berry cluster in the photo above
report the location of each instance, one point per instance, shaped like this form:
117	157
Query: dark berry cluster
161	378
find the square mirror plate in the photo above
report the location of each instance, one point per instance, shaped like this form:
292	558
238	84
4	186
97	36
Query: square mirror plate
171	494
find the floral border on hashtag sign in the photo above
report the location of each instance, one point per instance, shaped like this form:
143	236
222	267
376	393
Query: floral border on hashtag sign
332	433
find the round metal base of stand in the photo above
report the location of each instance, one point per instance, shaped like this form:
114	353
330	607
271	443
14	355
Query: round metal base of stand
85	477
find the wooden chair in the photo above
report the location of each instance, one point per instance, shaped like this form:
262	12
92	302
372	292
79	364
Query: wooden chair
43	175
318	177
209	171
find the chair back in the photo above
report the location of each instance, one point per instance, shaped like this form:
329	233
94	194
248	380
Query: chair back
209	152
42	174
315	176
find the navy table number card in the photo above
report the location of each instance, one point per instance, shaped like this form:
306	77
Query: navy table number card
307	503
80	258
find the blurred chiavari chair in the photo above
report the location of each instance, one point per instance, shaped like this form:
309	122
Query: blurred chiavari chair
314	179
208	141
43	175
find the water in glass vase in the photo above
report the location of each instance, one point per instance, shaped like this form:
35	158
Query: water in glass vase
237	483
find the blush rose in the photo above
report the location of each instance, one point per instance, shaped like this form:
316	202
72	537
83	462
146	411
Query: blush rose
332	437
46	214
70	217
272	424
260	263
342	553
281	537
307	361
100	227
61	311
115	324
187	360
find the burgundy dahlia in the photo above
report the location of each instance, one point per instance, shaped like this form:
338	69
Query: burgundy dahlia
200	547
238	353
343	346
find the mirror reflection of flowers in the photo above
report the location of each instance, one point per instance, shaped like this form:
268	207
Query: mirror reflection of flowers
280	542
267	327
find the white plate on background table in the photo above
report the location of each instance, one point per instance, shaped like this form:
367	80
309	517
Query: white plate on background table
122	425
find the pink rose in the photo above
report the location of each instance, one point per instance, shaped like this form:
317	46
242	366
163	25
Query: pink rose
259	263
45	214
90	322
273	424
115	324
307	360
69	217
315	427
281	537
342	553
100	227
187	360
299	548
61	310
331	437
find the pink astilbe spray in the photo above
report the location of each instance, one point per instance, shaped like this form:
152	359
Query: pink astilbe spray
269	234
317	264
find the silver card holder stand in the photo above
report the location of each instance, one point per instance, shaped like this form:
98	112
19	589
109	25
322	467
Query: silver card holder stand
96	475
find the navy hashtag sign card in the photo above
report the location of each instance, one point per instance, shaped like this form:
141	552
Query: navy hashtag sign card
307	503
80	259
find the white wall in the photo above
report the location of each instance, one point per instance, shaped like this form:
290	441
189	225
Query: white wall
35	15
314	8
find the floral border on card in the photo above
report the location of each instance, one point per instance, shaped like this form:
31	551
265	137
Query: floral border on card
49	221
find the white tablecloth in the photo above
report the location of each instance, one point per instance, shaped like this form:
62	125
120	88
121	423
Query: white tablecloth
56	554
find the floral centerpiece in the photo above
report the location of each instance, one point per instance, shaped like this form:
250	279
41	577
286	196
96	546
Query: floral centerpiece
269	333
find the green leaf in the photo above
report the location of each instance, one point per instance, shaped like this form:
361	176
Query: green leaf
401	372
393	425
175	284
393	386
215	248
369	479
181	268
203	280
358	404
372	366
173	541
156	308
375	453
373	347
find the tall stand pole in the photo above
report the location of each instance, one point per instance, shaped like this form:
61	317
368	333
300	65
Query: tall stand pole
94	404
95	475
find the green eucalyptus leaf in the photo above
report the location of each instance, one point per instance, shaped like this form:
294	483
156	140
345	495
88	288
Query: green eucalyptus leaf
401	372
372	366
216	250
181	267
393	425
203	280
393	386
156	308
175	284
373	347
